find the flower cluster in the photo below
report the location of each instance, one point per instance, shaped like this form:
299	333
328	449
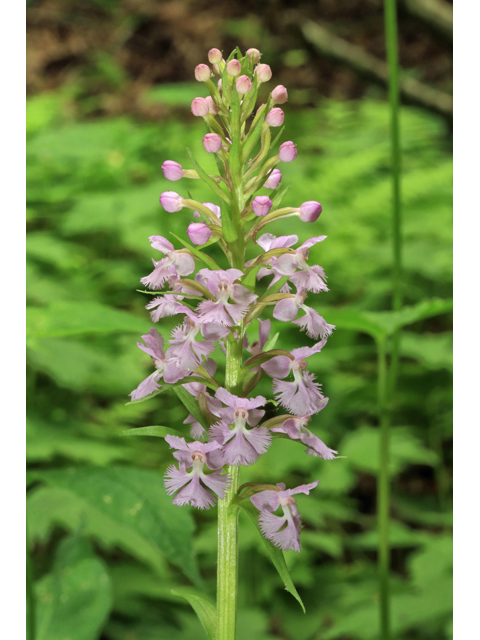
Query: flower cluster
217	305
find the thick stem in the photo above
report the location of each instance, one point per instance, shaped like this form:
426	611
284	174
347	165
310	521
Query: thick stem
383	494
227	559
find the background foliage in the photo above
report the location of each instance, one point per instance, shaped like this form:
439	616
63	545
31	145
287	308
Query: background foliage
107	546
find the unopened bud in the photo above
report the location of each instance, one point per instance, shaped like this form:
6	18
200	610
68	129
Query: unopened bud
212	143
279	95
215	56
309	211
202	73
261	205
172	170
274	179
243	85
254	54
219	84
212	107
287	152
171	201
200	107
233	68
275	117
198	232
263	72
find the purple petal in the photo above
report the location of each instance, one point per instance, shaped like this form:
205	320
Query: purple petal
184	264
146	387
266	500
242	295
175	479
195	495
287	538
216	482
286	310
286	264
277	367
161	244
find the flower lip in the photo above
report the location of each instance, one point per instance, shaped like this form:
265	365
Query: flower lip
288	501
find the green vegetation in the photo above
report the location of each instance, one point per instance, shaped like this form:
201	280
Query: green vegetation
104	537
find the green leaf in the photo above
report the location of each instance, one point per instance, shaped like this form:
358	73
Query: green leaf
191	405
156	431
123	506
61	319
210	182
271	343
275	554
204	609
75	599
210	262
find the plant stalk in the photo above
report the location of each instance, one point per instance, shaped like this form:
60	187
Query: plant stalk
227	558
383	493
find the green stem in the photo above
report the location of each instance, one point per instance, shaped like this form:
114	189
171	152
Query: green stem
383	493
391	35
227	559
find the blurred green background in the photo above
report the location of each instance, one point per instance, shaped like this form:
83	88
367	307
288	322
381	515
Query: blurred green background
109	87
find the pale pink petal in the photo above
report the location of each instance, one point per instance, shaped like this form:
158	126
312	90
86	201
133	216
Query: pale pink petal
242	295
216	482
184	264
146	387
277	367
161	244
286	310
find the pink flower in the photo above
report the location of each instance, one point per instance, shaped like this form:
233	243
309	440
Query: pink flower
171	201
303	395
184	350
261	205
309	278
221	286
199	232
243	85
213	208
275	117
212	143
200	107
254	54
233	67
163	369
263	73
176	263
212	107
195	486
314	325
163	306
287	151
274	179
279	95
309	211
202	73
240	445
172	170
215	56
296	429
268	241
284	530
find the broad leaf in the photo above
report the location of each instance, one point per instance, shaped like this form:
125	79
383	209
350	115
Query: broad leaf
74	600
125	506
204	609
275	554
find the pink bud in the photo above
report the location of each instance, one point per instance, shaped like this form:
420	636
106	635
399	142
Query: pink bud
219	84
200	107
264	73
198	232
171	201
215	56
287	152
243	85
234	67
172	170
274	179
202	73
275	117
212	107
254	54
261	205
213	208
279	95
212	143
309	211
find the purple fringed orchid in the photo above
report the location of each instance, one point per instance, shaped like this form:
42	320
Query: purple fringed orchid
296	429
283	531
163	306
190	479
221	285
312	322
302	396
268	242
240	445
301	274
176	263
164	368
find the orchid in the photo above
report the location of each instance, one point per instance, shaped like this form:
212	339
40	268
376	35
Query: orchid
219	302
